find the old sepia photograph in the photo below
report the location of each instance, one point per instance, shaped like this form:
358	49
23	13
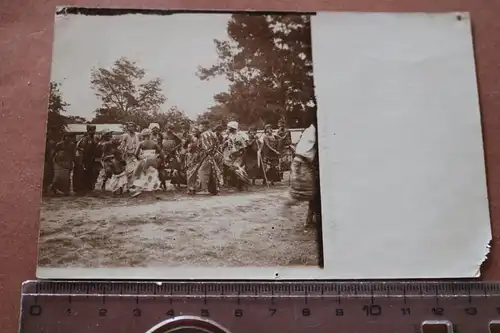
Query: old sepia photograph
263	145
180	140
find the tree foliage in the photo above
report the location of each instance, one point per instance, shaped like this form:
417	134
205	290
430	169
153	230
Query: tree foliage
126	96
123	91
268	62
56	121
216	115
172	116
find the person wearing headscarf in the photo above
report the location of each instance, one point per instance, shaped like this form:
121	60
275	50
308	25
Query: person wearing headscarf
234	148
62	158
128	147
203	171
88	162
146	178
156	133
270	155
251	156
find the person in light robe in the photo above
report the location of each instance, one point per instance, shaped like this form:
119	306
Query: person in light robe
128	147
146	176
304	175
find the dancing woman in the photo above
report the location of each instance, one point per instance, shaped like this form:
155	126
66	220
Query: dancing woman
146	177
234	149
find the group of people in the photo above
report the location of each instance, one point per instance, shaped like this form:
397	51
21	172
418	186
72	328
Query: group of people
204	159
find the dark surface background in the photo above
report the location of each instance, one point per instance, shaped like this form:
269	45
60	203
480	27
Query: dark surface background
26	32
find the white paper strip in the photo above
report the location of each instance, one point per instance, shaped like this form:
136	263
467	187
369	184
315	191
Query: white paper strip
401	156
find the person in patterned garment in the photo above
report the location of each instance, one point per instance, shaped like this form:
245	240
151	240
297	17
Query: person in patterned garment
203	172
234	148
284	147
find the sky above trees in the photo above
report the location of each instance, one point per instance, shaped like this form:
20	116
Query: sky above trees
168	47
255	69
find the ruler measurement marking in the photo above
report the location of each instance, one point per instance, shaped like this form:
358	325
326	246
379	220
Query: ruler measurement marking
465	299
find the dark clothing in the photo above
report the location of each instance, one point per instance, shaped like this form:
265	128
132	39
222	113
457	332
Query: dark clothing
63	158
88	154
253	165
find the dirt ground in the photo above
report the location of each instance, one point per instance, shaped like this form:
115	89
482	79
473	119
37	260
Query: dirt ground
172	229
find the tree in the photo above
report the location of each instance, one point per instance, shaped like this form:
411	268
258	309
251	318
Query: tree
216	115
75	120
124	93
268	62
172	116
56	121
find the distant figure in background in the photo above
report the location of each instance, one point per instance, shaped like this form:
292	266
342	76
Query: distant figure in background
87	153
270	156
62	160
146	177
304	178
128	147
234	149
284	147
252	158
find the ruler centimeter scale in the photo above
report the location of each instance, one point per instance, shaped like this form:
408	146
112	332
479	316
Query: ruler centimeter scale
259	307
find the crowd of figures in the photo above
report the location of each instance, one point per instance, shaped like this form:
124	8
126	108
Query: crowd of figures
203	159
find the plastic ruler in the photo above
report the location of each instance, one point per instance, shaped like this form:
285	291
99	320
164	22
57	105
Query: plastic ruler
259	307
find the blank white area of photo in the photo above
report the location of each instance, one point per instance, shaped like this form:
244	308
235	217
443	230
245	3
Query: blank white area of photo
401	159
401	155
